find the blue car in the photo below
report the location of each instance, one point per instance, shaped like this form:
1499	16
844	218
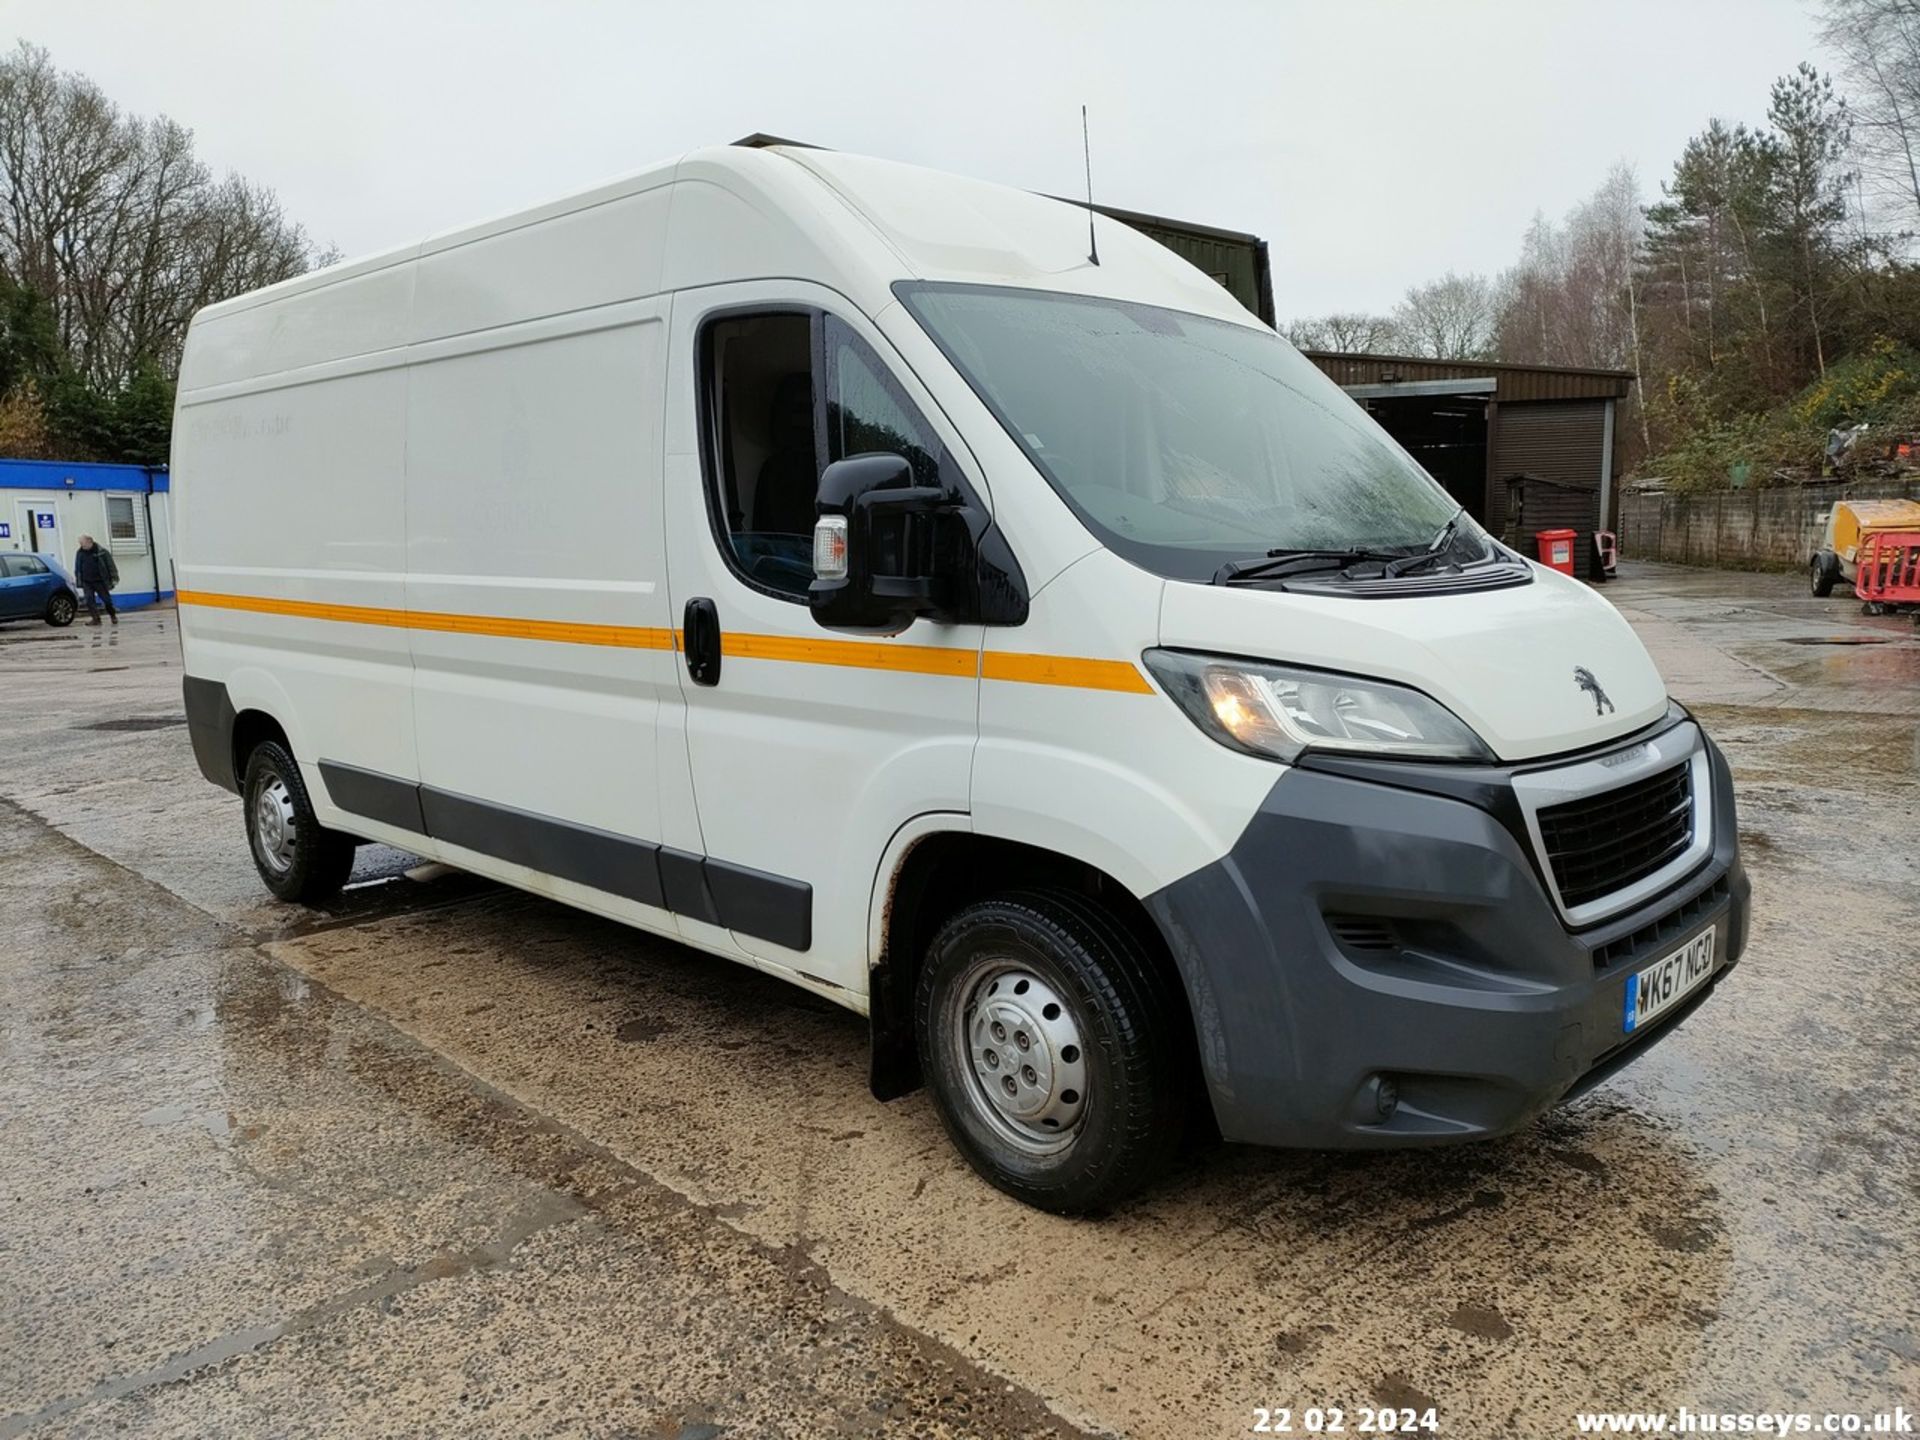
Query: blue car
35	587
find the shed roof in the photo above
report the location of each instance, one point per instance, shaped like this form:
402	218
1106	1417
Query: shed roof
78	475
1512	383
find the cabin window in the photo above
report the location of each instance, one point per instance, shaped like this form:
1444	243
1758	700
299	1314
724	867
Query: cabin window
787	394
767	445
867	411
123	523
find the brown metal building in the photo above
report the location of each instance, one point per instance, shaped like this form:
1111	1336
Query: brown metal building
1524	447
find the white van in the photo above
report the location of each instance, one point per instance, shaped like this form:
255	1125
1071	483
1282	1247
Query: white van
825	563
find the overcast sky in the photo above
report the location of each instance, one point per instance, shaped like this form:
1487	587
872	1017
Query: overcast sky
1375	143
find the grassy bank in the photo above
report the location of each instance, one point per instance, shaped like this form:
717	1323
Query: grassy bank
1880	387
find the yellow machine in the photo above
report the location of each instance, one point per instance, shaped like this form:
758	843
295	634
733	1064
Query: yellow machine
1842	529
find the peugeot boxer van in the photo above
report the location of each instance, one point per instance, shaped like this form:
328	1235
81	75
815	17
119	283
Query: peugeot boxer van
849	570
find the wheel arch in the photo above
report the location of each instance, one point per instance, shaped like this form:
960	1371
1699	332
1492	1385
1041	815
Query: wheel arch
226	719
251	728
934	867
262	709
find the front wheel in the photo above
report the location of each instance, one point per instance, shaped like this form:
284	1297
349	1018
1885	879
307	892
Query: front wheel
297	857
60	610
1825	569
1051	1042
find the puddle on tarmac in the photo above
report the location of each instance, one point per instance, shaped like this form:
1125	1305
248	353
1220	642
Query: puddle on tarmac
136	722
1838	640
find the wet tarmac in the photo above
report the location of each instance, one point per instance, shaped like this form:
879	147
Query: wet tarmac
448	1159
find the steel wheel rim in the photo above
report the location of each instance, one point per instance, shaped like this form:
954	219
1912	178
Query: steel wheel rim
273	826
1021	1050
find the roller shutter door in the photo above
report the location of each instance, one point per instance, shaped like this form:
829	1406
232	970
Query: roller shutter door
1562	443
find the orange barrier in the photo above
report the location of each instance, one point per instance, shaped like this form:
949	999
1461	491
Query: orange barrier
1887	567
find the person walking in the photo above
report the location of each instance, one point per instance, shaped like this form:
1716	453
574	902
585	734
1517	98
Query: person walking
96	573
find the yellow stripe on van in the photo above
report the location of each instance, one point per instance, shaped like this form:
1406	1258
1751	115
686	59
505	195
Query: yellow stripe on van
862	654
1067	670
633	637
304	609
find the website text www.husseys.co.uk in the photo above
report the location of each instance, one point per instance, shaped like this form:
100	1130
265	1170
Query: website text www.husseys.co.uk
1684	1421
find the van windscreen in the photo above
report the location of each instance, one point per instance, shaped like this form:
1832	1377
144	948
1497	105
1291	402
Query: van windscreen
1184	443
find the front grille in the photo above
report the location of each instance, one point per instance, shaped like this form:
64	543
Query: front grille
1605	842
1363	932
1665	930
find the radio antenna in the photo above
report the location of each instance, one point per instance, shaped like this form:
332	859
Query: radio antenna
1086	154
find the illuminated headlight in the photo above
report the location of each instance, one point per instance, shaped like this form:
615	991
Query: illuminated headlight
1280	711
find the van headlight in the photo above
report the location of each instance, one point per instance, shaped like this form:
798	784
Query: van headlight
1280	711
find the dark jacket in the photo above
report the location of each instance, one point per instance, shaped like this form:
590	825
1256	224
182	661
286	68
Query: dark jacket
94	569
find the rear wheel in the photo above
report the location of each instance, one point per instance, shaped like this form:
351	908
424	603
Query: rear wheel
1826	569
297	857
60	609
1049	1037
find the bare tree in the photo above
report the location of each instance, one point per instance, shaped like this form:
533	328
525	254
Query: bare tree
1350	332
1609	229
119	226
1449	318
1531	326
1573	298
1878	42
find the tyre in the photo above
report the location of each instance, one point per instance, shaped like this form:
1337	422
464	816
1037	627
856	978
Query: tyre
60	609
1050	1040
296	856
1825	570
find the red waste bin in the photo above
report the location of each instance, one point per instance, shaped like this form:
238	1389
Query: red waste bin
1556	549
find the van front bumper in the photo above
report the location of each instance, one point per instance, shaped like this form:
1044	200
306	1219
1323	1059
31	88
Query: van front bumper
1383	933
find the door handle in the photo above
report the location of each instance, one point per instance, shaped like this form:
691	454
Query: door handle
700	633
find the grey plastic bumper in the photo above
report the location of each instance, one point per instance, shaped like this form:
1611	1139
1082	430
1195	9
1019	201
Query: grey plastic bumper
1482	1008
210	720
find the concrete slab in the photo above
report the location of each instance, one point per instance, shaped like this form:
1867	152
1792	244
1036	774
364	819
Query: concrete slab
237	1204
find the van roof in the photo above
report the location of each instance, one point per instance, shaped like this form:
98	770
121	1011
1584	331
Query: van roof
950	227
934	226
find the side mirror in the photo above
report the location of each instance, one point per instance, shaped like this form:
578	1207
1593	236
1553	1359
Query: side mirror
877	556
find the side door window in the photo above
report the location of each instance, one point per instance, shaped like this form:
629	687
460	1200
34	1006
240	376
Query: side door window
36	580
16	590
867	412
785	395
765	430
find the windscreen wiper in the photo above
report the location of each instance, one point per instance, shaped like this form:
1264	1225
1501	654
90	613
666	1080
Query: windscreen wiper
1285	561
1406	564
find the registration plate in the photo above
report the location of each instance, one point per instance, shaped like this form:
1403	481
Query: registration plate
1663	984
